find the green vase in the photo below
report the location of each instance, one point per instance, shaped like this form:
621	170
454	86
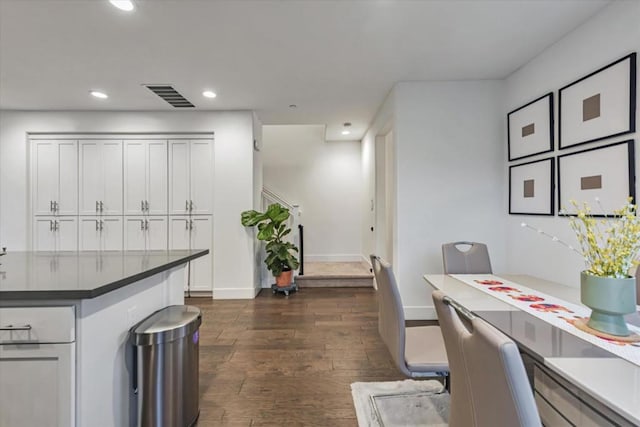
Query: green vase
609	299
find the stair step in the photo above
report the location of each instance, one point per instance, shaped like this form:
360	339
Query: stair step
336	275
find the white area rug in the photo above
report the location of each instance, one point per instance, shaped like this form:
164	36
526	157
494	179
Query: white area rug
405	403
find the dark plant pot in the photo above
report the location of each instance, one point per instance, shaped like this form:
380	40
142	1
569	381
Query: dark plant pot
284	279
609	299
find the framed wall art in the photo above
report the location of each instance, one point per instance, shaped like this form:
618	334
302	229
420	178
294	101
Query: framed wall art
600	105
530	128
531	188
603	177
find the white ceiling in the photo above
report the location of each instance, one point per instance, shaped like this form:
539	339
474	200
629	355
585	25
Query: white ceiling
336	60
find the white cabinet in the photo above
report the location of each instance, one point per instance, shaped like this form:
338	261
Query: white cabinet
190	177
37	386
145	233
100	177
55	233
145	177
194	233
55	177
100	233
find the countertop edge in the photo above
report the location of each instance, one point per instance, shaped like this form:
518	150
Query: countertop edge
34	295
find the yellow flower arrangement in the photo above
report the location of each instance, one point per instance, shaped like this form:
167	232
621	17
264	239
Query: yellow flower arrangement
610	245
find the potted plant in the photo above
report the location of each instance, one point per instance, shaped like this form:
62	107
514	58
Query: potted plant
272	228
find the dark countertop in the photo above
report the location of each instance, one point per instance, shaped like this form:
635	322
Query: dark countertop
81	275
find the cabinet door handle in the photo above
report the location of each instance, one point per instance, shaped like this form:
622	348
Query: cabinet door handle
141	224
56	225
101	225
55	206
97	206
101	206
51	205
190	224
146	205
186	206
146	224
15	328
186	224
191	206
142	205
50	225
97	225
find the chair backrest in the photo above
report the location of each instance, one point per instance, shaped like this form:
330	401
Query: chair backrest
495	387
390	312
473	261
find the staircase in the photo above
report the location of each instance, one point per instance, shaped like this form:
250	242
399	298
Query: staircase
335	275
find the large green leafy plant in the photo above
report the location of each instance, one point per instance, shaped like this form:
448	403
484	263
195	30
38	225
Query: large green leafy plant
272	229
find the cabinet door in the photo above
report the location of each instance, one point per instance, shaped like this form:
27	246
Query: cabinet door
179	177
201	238
157	169
91	177
157	233
201	169
112	177
135	177
67	234
111	233
45	177
179	232
67	201
43	234
89	233
37	387
134	233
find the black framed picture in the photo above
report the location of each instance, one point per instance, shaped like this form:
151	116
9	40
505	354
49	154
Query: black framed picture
531	188
530	128
603	177
600	105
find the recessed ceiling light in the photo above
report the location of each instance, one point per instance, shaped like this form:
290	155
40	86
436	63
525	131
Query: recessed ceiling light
126	5
346	132
99	94
209	94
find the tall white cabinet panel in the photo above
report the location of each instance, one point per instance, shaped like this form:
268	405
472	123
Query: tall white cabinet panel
190	177
55	233
100	234
55	177
145	233
194	232
201	169
201	237
101	177
145	177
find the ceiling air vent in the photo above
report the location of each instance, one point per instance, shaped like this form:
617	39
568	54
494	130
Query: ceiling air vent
172	96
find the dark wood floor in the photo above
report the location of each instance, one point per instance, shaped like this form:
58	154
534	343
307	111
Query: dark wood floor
289	361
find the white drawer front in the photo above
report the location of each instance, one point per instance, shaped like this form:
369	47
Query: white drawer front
37	325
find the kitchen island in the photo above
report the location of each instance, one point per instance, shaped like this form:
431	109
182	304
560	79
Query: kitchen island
65	359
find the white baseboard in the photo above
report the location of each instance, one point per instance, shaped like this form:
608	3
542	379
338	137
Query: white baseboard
420	313
235	293
333	258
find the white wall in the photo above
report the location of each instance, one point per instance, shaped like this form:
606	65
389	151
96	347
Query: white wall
233	264
449	178
324	178
610	35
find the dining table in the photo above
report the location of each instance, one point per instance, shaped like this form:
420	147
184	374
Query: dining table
577	380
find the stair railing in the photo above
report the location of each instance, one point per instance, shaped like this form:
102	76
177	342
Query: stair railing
269	197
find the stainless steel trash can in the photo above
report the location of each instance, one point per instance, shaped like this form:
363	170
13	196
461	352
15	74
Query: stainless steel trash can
166	355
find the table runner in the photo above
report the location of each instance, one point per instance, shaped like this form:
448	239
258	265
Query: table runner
552	310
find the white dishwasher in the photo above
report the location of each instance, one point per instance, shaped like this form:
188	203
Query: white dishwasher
37	366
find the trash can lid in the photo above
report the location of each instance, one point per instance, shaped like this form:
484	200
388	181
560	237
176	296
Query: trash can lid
168	324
